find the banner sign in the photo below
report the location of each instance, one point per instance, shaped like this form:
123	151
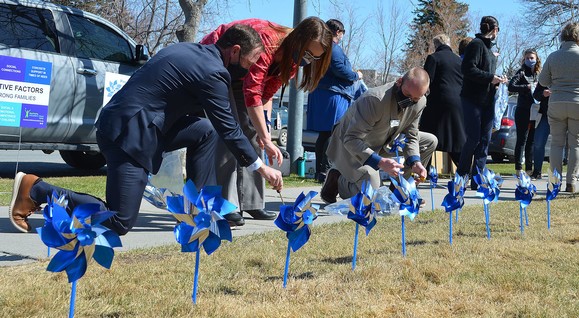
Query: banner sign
24	92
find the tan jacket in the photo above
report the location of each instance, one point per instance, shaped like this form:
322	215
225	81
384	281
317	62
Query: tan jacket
368	126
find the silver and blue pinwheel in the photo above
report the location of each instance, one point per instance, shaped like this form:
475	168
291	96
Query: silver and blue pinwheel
407	196
363	210
296	221
524	194
454	200
79	237
489	190
553	187
397	146
201	222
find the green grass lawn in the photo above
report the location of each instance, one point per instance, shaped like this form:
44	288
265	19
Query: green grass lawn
511	275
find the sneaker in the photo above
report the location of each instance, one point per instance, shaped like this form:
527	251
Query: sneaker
330	188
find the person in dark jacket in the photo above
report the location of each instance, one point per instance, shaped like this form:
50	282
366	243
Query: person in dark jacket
442	116
154	113
479	85
524	83
330	100
542	130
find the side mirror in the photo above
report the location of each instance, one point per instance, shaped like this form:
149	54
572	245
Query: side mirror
141	54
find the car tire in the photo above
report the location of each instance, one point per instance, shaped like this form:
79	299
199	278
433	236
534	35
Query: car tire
497	158
282	139
83	159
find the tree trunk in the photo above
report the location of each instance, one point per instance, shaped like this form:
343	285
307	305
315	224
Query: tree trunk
193	10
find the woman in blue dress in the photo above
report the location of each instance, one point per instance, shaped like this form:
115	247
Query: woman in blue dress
330	100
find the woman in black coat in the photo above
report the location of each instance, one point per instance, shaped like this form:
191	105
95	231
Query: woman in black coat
524	83
442	116
479	84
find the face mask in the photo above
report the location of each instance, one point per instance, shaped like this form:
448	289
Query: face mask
236	70
402	100
530	63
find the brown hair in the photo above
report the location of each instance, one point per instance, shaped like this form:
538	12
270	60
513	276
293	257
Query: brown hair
295	44
537	68
463	44
570	32
243	35
488	23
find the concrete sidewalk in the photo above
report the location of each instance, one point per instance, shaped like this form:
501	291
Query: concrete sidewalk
155	226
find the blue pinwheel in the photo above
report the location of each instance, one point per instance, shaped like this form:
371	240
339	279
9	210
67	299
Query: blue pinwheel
363	212
553	187
398	145
524	194
454	200
488	190
433	176
296	220
79	237
201	222
407	196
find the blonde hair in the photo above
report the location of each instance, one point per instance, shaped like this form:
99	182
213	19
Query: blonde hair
570	32
440	40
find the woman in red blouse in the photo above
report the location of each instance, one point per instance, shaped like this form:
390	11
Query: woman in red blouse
309	45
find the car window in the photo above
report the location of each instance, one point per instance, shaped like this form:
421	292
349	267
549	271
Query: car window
31	28
96	40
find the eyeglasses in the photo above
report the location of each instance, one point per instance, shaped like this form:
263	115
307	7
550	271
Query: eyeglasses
309	57
343	31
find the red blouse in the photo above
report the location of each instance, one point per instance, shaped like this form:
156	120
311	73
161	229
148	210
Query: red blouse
258	85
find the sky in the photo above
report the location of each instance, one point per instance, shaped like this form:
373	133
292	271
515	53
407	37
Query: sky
281	12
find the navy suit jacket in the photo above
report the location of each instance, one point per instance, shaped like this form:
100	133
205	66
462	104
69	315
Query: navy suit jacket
181	80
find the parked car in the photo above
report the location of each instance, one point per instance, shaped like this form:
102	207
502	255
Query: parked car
279	135
502	144
53	62
279	125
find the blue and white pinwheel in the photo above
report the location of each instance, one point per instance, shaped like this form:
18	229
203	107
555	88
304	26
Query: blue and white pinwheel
454	200
200	216
79	237
201	222
362	207
398	144
488	185
553	187
406	195
296	220
488	190
362	211
524	194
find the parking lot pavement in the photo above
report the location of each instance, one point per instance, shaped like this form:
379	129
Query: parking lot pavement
155	226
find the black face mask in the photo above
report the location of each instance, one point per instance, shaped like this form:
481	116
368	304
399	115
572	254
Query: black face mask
402	100
237	71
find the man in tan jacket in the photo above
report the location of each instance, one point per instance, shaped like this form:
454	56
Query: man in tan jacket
360	142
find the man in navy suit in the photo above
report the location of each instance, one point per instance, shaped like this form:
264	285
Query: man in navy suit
155	112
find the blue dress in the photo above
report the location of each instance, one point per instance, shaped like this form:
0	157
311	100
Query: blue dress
330	100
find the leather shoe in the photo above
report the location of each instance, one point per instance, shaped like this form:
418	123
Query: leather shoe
570	188
22	206
261	214
330	188
234	219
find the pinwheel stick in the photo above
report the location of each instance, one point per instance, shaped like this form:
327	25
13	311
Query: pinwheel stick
196	279
403	237
526	217
549	214
72	300
487	220
432	197
521	219
450	227
355	246
456	217
287	262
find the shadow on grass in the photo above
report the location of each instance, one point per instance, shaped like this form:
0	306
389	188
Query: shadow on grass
338	260
305	275
422	242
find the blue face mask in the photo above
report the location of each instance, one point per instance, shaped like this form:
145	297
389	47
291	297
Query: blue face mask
530	63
